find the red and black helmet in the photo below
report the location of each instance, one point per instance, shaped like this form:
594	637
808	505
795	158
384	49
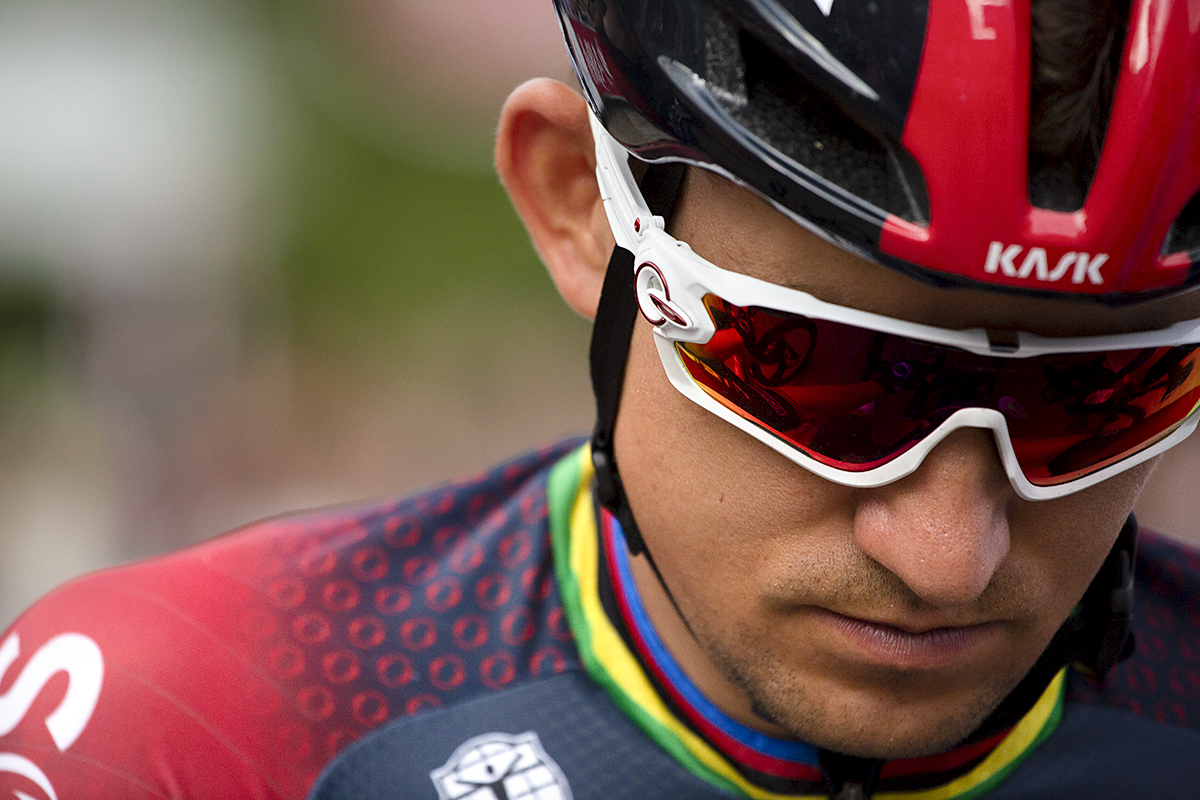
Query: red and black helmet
900	131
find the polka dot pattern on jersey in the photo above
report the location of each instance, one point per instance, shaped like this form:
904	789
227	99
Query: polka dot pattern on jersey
1161	680
367	615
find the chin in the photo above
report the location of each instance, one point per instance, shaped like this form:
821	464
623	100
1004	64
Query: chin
869	730
876	740
883	719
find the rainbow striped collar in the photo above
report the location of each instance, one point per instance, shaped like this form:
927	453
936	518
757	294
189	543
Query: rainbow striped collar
622	652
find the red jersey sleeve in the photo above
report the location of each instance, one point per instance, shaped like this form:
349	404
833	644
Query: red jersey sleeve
243	666
151	681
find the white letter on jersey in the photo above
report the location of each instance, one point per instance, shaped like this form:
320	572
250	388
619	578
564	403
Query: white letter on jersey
825	5
17	765
72	653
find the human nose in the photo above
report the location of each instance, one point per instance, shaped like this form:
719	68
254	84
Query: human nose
943	530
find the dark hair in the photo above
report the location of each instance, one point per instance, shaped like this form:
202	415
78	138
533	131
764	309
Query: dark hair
1077	50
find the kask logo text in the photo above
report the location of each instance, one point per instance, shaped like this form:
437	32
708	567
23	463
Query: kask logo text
1014	261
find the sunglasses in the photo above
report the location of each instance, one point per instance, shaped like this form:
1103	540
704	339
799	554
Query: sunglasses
861	398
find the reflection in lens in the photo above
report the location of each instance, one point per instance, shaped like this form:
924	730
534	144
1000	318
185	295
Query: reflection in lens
855	399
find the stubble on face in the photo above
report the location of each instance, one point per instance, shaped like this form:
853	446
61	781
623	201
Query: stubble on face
842	721
873	713
743	611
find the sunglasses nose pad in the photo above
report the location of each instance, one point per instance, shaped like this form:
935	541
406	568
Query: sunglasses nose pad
985	419
942	529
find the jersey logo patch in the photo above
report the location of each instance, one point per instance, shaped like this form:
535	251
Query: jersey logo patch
499	766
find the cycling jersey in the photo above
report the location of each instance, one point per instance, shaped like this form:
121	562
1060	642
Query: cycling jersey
486	640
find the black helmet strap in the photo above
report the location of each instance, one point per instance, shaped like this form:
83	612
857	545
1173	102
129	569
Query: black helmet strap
611	335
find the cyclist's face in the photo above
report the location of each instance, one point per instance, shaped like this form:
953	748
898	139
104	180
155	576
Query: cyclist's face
884	622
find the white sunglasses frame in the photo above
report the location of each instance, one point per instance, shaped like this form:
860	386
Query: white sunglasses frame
671	282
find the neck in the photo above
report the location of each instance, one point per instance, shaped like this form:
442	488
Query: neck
681	643
666	645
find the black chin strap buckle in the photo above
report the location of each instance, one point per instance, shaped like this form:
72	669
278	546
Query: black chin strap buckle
1109	603
611	335
611	494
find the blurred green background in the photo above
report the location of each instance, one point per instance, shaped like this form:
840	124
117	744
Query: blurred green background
346	308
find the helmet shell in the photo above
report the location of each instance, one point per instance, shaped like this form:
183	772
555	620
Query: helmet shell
899	130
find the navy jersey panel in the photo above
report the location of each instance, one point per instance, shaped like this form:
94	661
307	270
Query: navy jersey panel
600	752
1097	753
1161	680
1103	753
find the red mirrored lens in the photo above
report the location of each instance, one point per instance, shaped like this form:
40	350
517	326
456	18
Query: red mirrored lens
855	398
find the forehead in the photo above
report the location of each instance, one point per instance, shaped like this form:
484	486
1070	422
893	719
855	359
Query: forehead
735	229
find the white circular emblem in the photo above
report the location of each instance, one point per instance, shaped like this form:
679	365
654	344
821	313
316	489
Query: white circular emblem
499	766
654	298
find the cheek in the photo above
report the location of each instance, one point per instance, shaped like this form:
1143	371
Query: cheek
712	502
1068	539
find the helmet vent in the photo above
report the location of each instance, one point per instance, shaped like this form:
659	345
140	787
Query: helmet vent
780	107
725	71
1076	58
1184	236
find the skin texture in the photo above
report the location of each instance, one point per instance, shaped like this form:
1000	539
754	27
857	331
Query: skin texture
884	622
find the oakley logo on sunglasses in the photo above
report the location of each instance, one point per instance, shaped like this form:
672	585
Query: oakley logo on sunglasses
654	298
1037	263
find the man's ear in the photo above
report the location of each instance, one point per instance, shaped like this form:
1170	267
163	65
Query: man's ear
546	161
